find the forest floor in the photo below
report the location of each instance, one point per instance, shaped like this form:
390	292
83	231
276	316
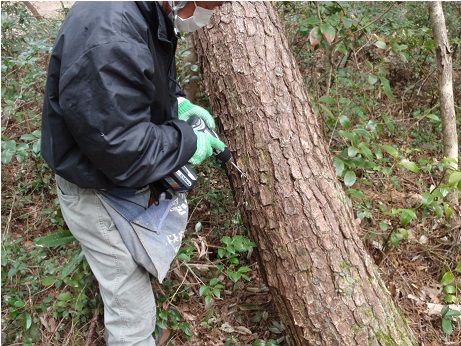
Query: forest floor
411	272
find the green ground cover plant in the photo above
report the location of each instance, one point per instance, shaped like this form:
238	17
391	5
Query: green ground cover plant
369	69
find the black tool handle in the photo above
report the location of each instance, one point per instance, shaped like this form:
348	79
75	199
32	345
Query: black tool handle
199	125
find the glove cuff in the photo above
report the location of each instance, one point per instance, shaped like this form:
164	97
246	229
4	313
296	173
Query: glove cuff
184	106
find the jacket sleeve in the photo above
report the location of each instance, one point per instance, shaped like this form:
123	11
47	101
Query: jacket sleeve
108	97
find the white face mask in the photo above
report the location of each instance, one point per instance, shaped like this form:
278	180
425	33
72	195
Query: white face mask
198	20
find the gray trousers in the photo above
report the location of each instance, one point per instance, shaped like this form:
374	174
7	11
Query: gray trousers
126	289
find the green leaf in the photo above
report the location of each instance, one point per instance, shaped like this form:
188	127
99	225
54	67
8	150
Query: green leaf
448	210
310	21
48	280
386	87
339	165
362	132
433	117
328	31
372	79
258	343
8	151
226	240
65	296
203	290
235	276
411	166
28	137
444	310
396	238
446	326
447	278
458	268
327	111
450	299
36	147
427	199
76	258
388	122
365	150
55	239
449	289
347	22
345	122
406	216
271	342
453	313
454	178
355	193
350	178
185	258
351	151
27	321
327	99
244	269
404	232
380	44
390	150
7	156
315	36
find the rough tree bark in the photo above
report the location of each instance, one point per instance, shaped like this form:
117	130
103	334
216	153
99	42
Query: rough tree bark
320	276
447	104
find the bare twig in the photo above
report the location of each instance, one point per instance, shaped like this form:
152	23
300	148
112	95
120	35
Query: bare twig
32	9
94	319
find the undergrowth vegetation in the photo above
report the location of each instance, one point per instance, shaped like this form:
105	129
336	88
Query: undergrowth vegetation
370	72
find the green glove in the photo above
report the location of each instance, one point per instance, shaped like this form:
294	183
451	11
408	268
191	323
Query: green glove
186	109
205	145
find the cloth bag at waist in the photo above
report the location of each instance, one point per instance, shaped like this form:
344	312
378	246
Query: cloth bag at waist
152	234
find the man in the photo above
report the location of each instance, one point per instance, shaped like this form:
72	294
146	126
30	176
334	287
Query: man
111	132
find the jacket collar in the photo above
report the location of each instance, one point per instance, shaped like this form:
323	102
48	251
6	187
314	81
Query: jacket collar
155	16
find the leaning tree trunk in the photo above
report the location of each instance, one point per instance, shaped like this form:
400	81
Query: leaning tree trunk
321	278
447	104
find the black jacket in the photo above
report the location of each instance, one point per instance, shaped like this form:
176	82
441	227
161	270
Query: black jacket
110	110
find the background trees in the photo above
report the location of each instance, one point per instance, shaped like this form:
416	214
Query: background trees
374	90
